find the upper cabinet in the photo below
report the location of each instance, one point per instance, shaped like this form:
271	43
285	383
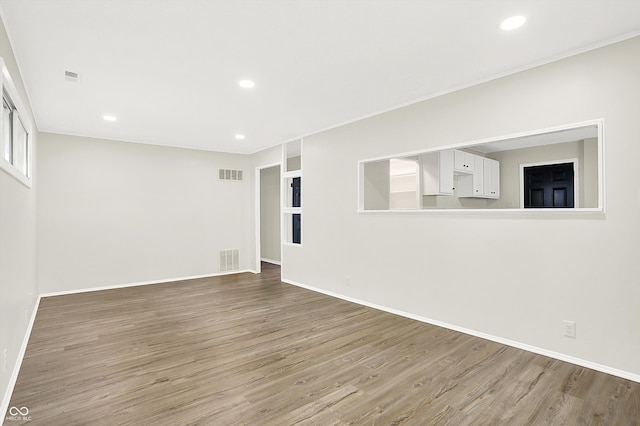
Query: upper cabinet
437	173
477	176
491	179
463	162
484	182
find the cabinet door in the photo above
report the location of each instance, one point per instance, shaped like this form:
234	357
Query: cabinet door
491	178
445	159
437	173
478	176
463	161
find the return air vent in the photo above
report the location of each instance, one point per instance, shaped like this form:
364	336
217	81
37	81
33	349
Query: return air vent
229	260
231	175
71	76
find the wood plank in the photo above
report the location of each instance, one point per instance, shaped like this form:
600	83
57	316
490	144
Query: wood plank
249	349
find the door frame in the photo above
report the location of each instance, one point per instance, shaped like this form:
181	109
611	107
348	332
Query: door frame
258	266
576	180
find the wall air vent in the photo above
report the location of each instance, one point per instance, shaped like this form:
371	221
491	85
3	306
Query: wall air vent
71	76
229	260
231	175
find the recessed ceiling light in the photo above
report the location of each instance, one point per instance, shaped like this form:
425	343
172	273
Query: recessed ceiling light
513	23
247	84
109	117
240	136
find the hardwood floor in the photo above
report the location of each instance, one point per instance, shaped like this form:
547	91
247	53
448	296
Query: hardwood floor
249	350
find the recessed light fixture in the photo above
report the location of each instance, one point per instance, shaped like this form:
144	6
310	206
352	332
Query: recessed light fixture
247	84
513	23
240	136
109	117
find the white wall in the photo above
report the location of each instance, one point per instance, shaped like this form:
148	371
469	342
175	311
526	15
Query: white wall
510	276
18	253
116	213
270	214
266	158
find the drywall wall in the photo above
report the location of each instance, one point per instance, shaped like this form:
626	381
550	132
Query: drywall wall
376	185
262	159
114	213
270	214
494	273
18	251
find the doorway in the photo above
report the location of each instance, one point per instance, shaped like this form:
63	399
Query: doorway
552	185
268	235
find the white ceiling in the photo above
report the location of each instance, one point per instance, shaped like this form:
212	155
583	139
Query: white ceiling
168	69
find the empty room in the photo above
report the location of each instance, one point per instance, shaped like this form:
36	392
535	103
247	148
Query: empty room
283	212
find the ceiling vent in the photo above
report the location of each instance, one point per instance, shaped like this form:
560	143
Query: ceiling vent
71	76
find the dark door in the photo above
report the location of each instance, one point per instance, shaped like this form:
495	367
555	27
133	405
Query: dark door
549	186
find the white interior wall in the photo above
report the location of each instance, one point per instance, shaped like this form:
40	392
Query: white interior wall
266	158
18	251
270	214
516	277
115	213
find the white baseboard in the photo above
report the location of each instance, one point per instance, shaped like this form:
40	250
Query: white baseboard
540	351
275	262
168	280
16	368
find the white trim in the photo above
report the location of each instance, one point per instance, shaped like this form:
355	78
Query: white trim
273	262
285	211
602	177
16	368
257	214
136	284
526	347
7	84
561	212
576	178
599	122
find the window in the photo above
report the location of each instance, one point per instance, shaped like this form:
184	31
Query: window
292	193
15	138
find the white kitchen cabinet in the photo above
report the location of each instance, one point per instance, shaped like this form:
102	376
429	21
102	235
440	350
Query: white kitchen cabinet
437	173
491	181
463	162
483	183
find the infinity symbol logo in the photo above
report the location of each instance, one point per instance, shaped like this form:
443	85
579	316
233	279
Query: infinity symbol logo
14	411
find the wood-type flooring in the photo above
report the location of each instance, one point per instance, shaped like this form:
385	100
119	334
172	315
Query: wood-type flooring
248	349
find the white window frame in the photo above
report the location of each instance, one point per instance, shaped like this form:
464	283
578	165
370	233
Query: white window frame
7	86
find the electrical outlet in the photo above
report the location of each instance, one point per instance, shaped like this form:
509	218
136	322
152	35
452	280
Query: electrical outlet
569	328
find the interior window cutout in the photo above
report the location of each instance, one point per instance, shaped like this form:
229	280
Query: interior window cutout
560	168
293	156
292	193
